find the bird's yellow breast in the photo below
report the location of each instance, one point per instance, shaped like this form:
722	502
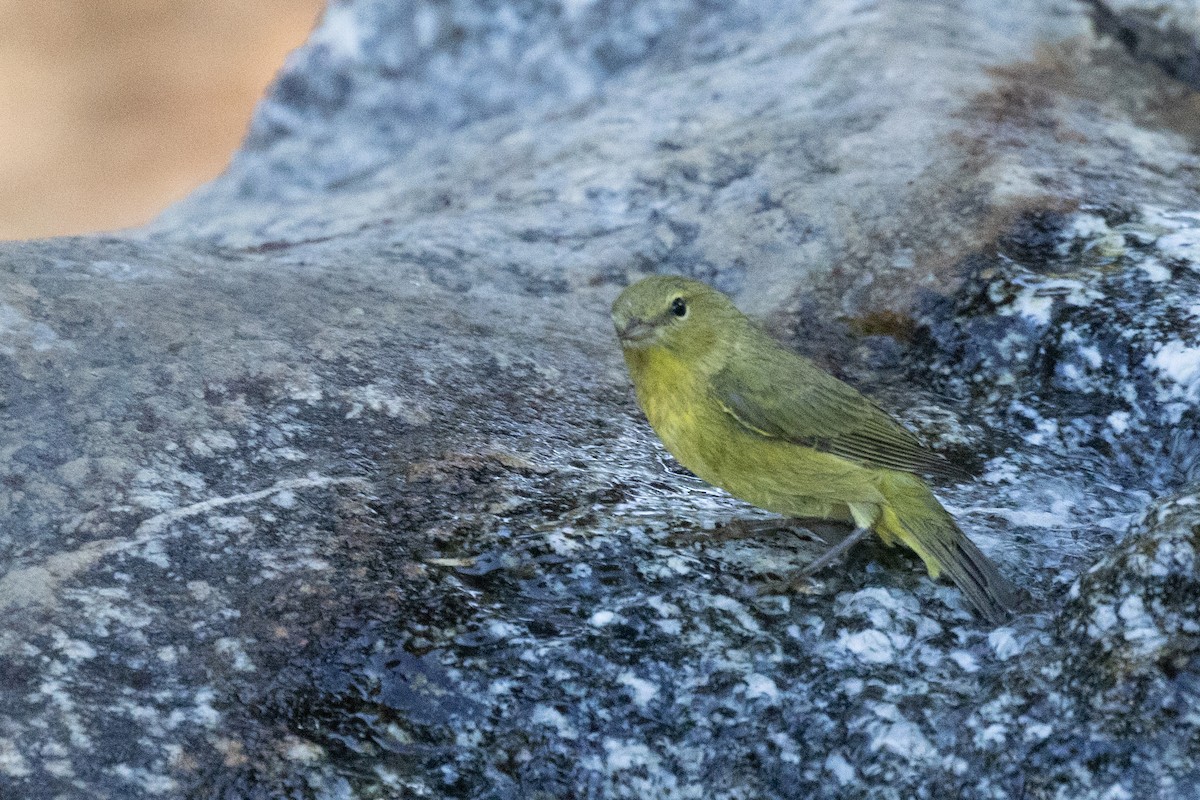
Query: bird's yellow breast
770	473
677	406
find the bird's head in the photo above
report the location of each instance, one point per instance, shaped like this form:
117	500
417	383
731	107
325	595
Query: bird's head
686	318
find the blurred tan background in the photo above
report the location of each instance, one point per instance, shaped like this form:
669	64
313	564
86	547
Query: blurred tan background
110	110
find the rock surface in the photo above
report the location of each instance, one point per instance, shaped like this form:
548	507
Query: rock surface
330	484
1163	33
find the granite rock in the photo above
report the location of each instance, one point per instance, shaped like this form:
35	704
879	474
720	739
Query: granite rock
329	483
1166	34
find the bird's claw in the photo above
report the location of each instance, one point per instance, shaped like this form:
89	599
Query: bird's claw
797	583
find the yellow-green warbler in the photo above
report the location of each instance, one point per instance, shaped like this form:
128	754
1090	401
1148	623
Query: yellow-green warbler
772	428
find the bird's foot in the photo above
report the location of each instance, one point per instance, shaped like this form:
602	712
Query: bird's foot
796	583
737	529
835	553
752	528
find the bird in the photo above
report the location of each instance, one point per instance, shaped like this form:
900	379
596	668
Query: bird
770	427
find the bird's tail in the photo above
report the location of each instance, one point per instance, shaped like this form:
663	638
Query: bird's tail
915	517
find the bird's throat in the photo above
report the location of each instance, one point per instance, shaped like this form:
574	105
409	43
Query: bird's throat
662	381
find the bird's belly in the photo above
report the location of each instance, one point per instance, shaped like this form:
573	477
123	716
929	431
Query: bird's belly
769	473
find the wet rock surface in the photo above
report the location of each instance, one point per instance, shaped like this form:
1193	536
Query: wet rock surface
330	483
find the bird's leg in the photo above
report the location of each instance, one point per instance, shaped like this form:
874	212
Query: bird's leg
749	528
836	552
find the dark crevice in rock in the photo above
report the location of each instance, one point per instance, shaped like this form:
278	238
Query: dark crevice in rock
1149	34
1038	337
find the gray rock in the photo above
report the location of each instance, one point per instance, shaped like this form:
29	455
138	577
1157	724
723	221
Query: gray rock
330	483
1116	687
1166	34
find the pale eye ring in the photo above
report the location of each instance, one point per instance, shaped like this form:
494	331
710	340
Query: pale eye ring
679	307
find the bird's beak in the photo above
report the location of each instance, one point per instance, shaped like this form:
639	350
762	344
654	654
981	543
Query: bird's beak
632	331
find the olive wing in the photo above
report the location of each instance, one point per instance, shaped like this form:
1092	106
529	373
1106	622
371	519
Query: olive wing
787	397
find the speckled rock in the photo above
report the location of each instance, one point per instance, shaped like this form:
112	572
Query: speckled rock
1138	608
1112	689
1048	310
1163	32
330	484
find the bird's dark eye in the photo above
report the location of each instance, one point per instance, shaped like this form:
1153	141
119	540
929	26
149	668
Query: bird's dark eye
678	307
